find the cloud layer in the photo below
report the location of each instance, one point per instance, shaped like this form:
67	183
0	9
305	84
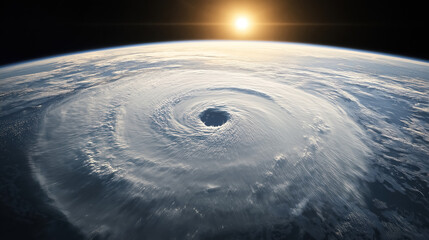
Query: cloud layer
312	133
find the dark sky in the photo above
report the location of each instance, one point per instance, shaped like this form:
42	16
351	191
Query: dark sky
42	28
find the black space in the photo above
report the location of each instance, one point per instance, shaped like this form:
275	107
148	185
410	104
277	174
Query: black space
44	28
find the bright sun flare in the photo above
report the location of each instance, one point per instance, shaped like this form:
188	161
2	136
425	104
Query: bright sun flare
241	23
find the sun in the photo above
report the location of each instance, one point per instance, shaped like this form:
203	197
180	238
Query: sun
242	23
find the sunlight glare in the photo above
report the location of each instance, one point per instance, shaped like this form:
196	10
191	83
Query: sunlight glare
241	23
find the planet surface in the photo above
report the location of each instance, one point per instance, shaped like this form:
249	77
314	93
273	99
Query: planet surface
216	140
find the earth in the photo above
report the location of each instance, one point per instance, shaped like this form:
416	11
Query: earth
215	140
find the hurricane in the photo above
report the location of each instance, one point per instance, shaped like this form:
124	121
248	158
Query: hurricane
227	140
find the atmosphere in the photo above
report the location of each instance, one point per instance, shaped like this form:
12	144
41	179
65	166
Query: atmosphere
43	28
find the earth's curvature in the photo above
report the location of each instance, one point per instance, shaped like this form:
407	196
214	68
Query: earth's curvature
219	140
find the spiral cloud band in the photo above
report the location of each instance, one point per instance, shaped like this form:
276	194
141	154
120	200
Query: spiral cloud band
220	139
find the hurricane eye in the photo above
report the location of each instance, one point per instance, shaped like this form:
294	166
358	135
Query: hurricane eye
214	117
